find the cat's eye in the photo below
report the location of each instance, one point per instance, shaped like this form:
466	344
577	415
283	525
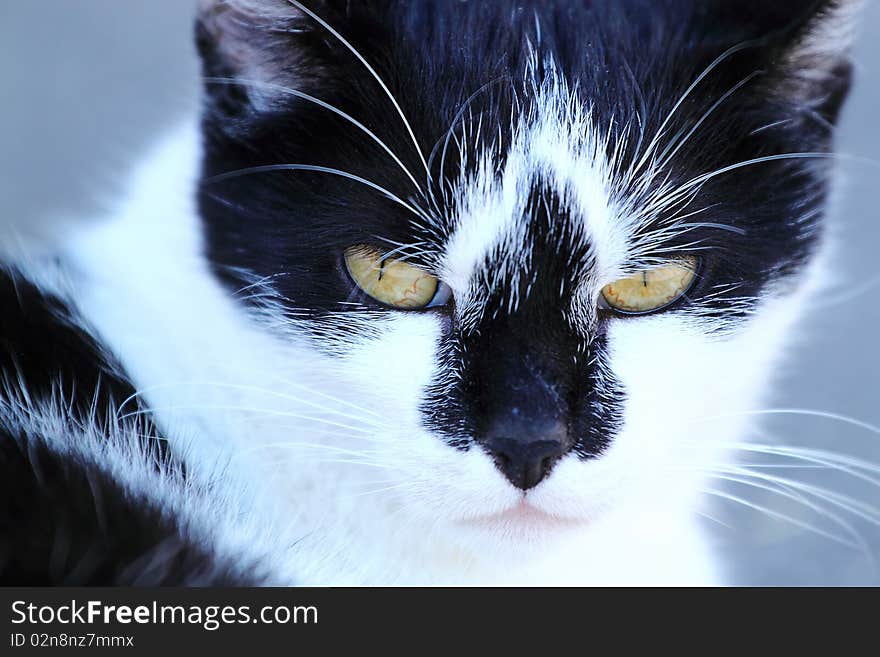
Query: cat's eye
653	289
394	282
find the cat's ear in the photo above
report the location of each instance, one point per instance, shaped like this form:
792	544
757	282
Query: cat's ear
252	49
810	65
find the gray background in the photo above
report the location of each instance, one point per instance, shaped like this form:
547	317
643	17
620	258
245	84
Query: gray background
86	84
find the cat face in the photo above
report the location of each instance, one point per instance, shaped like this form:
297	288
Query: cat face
539	257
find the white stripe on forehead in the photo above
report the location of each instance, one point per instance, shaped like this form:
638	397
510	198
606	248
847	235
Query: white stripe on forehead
556	145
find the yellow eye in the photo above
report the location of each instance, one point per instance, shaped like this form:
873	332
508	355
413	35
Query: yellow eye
652	289
393	282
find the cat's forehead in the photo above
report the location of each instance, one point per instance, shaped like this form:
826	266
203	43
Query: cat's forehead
550	186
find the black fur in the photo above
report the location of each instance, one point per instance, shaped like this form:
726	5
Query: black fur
65	522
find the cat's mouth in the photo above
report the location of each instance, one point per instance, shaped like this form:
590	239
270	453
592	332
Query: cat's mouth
523	514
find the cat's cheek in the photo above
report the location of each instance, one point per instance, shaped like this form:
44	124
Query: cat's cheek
678	382
674	371
395	364
690	394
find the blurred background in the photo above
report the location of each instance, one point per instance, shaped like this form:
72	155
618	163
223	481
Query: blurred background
88	84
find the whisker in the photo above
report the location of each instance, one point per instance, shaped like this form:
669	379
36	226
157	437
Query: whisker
795	496
263	281
315	169
665	157
837	462
328	396
695	183
370	69
317	101
375	436
264	391
293	446
369	464
464	107
399	486
846	297
758	160
856	507
243	409
781	516
826	415
706	72
770	126
703	514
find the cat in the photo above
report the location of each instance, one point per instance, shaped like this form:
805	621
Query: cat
429	293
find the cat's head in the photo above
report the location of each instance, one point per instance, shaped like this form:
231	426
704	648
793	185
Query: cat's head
532	259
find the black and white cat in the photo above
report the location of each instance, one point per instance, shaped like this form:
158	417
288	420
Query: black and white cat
432	293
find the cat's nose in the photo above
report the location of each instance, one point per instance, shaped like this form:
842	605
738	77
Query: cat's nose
526	459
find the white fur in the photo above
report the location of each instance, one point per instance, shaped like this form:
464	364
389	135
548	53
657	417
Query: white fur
830	34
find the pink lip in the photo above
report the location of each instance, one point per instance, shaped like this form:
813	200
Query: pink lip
522	513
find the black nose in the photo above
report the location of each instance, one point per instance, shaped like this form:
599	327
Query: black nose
523	406
525	465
